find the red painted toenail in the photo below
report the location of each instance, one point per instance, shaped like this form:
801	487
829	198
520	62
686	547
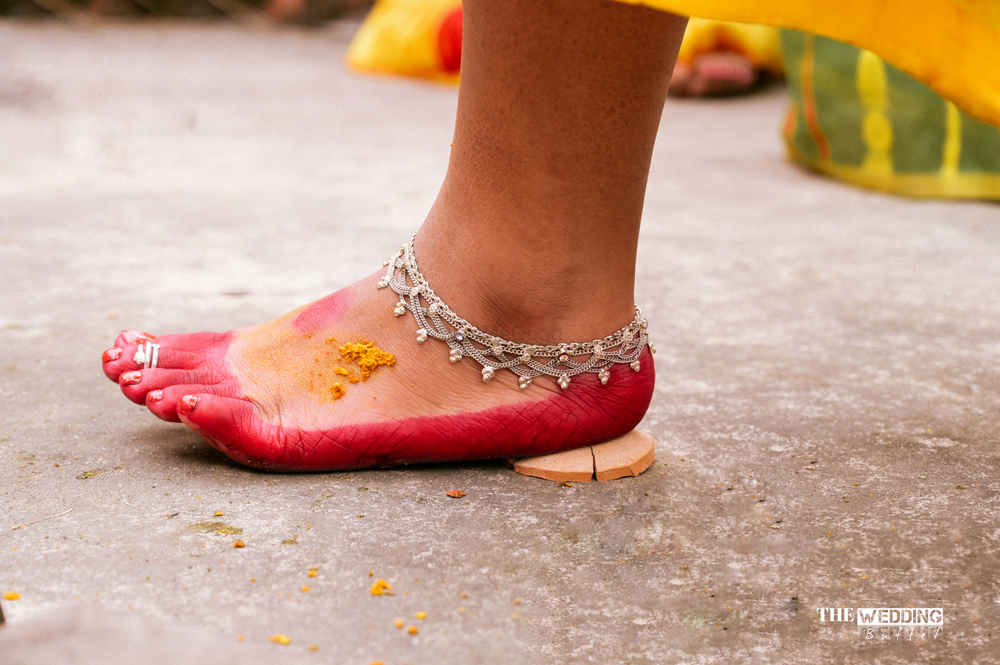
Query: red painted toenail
188	402
111	354
130	378
135	336
154	396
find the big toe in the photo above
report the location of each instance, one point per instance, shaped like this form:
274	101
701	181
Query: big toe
164	402
232	426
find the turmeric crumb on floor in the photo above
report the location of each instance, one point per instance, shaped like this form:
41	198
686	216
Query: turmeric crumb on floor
380	587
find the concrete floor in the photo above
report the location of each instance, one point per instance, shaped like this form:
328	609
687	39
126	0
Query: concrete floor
826	413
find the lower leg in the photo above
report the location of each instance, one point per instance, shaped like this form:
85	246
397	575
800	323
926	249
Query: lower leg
558	112
534	234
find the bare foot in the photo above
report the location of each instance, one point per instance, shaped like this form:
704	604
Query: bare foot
342	384
535	229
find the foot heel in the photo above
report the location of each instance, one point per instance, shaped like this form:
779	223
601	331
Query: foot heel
628	455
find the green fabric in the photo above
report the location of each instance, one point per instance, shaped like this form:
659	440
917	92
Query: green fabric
834	142
981	147
840	114
792	46
918	121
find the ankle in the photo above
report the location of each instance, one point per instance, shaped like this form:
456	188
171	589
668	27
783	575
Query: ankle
525	293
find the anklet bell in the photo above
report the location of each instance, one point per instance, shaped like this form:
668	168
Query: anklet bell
562	362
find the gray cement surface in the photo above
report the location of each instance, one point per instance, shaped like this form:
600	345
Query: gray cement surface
827	414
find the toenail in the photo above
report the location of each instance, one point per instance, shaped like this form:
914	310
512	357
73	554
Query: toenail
111	354
154	396
133	336
188	402
130	378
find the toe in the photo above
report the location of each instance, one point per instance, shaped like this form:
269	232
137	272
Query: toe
175	351
120	358
136	384
133	337
112	363
233	427
163	403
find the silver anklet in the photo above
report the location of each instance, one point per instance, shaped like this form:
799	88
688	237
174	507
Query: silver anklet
435	319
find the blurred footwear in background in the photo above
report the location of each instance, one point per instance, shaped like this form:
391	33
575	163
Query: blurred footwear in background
305	12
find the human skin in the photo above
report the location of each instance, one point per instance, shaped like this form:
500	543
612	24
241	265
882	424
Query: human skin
532	238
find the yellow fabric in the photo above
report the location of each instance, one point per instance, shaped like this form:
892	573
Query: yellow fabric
760	43
919	185
400	37
951	45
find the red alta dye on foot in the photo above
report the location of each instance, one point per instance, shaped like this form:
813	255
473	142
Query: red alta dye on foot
111	354
586	413
324	311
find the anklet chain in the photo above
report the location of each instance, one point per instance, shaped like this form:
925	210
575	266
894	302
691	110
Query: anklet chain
436	320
